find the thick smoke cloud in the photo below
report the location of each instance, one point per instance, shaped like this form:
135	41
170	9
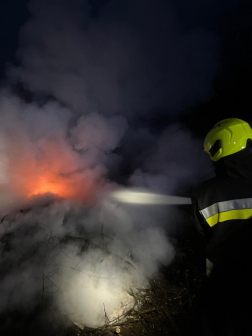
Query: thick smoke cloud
83	251
134	57
174	164
96	76
41	154
62	244
57	252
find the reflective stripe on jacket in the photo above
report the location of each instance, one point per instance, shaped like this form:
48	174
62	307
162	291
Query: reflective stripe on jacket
227	210
222	207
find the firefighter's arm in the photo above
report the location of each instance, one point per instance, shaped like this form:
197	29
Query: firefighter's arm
199	222
203	228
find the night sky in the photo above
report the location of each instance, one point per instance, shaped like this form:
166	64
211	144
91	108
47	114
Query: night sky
13	14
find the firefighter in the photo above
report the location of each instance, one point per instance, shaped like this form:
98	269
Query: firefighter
223	213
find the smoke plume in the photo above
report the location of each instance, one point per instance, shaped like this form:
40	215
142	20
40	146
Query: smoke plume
61	242
95	75
132	58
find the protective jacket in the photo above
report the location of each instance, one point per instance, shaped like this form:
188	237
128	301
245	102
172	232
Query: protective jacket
223	209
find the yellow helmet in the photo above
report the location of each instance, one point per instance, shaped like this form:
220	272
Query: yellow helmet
227	137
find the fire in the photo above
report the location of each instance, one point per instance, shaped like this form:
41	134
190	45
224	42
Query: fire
49	167
75	185
47	184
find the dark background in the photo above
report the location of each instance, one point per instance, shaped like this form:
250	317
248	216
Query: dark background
232	85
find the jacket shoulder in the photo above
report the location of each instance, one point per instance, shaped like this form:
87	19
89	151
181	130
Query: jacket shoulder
223	188
204	187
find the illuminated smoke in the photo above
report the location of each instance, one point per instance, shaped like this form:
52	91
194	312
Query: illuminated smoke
102	76
40	155
68	243
82	257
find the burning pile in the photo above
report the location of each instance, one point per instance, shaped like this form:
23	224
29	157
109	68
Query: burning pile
63	257
69	250
41	154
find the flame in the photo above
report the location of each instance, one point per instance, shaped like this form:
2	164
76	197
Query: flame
50	167
47	184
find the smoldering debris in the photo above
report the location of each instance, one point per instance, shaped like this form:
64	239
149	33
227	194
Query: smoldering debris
76	263
165	307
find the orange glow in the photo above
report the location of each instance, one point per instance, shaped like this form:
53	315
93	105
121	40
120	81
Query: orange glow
53	167
44	185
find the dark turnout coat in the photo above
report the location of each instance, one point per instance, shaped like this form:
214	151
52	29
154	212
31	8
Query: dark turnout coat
223	213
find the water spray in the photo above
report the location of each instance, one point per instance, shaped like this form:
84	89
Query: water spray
137	197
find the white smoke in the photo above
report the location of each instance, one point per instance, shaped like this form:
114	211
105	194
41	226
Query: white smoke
78	255
59	252
37	141
66	248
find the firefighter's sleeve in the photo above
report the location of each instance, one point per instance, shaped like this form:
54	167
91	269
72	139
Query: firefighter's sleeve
204	229
199	221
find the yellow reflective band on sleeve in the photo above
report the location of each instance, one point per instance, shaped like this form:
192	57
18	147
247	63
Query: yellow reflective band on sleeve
229	215
213	220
